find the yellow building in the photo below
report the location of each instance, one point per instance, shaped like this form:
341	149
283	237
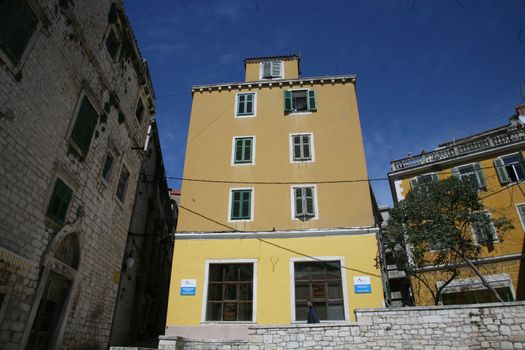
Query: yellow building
493	161
275	221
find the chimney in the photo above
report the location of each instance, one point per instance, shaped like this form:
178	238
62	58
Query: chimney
520	109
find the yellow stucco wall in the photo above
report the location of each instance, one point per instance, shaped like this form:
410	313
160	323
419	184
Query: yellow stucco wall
273	279
338	148
500	202
291	69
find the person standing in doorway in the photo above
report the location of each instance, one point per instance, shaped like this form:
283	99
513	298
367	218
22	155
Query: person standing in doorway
312	313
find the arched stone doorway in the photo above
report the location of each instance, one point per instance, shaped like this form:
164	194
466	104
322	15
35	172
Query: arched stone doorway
60	270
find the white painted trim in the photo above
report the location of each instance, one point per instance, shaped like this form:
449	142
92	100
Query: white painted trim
312	147
252	204
351	231
123	201
205	287
519	215
272	78
474	238
292	199
344	284
475	284
236	107
233	151
399	190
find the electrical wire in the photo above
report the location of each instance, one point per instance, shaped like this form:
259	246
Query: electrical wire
233	229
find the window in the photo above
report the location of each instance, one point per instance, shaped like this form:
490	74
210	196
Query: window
299	101
321	283
472	291
510	168
84	126
243	150
423	179
230	292
271	70
122	185
59	202
108	167
302	147
17	25
471	173
139	112
304	204
241	204
113	43
521	213
245	105
483	229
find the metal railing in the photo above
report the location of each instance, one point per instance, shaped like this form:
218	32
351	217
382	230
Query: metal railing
459	149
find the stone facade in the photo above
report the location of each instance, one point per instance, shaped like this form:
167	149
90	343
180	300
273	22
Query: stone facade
67	58
489	326
142	299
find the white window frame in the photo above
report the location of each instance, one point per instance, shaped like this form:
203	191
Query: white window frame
312	147
292	200
252	202
236	108
475	237
123	201
461	176
234	139
521	219
39	13
205	288
342	262
505	168
261	70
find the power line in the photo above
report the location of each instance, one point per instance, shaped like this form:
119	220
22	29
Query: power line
275	182
271	243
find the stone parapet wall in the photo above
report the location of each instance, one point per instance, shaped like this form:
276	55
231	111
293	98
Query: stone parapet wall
488	326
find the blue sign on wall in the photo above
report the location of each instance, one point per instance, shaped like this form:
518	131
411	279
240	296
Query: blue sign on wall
362	284
187	290
188	286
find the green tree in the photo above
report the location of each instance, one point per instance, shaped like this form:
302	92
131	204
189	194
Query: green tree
433	226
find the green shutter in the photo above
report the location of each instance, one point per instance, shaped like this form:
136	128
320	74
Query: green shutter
435	177
249	104
479	175
501	171
84	126
59	202
241	205
299	202
238	150
287	101
240	104
309	201
413	182
312	103
243	150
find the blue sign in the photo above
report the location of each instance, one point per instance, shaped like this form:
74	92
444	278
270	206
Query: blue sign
362	284
362	288
187	290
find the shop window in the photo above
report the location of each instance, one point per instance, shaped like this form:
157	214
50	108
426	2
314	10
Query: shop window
230	292
320	282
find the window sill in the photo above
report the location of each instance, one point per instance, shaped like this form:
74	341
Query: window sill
239	220
228	322
300	113
302	161
243	116
243	164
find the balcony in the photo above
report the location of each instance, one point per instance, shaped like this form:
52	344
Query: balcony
460	149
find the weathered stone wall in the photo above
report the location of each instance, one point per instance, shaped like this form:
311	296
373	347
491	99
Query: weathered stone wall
67	56
490	326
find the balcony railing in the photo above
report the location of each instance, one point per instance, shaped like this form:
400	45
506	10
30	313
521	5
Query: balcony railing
460	150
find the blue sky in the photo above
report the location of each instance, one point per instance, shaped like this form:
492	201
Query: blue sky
427	71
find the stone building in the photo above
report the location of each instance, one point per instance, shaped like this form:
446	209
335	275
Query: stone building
75	104
142	298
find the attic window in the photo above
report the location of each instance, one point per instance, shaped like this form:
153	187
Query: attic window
271	70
